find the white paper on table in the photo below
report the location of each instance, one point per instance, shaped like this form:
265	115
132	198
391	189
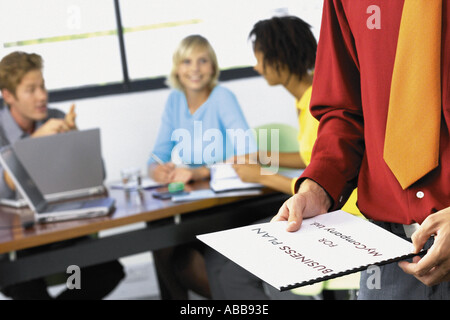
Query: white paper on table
208	194
225	178
325	247
146	183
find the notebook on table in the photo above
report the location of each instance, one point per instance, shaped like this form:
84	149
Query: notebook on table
224	178
63	166
42	210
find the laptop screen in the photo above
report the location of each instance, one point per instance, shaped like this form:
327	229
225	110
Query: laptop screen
72	160
22	179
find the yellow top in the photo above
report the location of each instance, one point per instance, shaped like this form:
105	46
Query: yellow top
307	135
308	126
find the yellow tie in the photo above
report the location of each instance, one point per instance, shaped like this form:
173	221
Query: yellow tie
411	147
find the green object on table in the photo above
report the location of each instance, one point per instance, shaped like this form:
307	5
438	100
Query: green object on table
176	187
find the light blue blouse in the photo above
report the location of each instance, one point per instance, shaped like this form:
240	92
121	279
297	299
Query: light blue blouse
216	131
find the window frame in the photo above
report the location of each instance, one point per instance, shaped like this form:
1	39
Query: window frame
130	86
136	86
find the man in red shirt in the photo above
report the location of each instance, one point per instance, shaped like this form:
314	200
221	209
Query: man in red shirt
351	92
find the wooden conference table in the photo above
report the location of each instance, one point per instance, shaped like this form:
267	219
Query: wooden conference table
47	249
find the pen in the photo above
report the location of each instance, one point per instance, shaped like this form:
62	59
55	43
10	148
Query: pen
157	159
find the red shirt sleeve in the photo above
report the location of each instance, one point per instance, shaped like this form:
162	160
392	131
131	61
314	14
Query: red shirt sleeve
336	102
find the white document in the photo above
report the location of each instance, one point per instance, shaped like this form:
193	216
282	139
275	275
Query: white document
325	247
146	183
208	194
225	178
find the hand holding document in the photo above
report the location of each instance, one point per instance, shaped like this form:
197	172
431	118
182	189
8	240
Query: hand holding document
326	246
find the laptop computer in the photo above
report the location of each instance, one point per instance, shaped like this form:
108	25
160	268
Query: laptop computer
74	160
43	211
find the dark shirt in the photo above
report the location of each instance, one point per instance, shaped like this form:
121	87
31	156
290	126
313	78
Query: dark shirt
10	132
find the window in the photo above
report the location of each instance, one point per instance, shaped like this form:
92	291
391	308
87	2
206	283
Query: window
80	42
77	39
153	29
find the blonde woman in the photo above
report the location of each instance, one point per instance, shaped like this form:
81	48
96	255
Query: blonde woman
193	134
198	108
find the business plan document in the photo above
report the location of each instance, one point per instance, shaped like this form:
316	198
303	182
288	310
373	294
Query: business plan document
325	247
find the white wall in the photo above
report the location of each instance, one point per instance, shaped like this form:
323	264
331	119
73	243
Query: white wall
129	123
